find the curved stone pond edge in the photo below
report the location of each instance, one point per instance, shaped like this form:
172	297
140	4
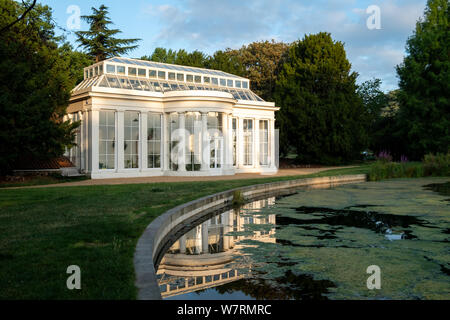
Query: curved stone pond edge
166	228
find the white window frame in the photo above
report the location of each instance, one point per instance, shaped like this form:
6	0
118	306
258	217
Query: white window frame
139	151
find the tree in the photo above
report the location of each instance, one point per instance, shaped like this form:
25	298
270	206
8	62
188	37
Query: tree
227	61
20	18
424	116
374	101
260	60
99	41
35	88
384	134
162	55
181	57
76	60
321	115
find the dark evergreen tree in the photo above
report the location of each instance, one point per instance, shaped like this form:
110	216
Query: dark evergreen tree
424	117
35	85
99	42
321	116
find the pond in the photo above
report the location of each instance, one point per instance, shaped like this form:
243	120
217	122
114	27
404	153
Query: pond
318	244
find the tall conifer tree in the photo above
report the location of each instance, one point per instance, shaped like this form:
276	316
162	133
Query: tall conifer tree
99	41
321	116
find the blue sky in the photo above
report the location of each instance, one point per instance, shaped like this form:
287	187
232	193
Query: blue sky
210	25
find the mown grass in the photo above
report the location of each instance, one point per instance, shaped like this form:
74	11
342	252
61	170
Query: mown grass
44	230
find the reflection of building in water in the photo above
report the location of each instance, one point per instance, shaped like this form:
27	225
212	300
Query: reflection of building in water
205	256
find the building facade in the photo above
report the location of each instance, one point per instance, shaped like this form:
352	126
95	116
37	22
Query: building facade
142	118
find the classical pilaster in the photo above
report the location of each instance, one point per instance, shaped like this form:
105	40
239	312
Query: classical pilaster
205	237
227	228
205	143
229	153
240	144
86	141
182	143
183	244
82	142
95	122
256	146
165	142
143	162
272	143
226	141
120	140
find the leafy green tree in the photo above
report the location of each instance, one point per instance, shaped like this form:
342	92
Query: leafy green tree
181	57
76	60
424	116
197	59
321	115
35	87
162	55
384	132
227	61
99	41
374	101
261	62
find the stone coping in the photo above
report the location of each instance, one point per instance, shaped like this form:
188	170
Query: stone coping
166	228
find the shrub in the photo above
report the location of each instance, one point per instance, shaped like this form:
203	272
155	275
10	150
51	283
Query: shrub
238	199
384	156
437	165
432	165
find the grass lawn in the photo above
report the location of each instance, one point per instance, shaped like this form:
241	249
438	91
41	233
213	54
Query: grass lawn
44	230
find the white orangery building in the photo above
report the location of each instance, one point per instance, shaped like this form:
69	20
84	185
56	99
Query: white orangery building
142	118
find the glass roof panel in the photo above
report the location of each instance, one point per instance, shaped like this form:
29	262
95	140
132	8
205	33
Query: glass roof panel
139	84
113	82
170	67
124	83
103	83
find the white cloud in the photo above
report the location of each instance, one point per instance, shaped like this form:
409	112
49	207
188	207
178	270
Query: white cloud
216	24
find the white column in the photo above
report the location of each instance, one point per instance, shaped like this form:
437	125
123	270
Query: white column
231	214
205	237
165	142
226	142
256	143
240	142
82	142
182	144
95	122
183	244
86	141
67	151
230	141
120	140
226	229
205	143
272	143
144	146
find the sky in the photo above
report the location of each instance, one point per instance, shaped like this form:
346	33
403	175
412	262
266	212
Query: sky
210	25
